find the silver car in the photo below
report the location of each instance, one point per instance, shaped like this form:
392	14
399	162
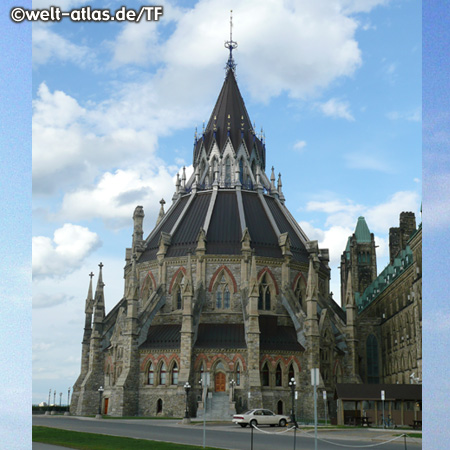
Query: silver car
260	417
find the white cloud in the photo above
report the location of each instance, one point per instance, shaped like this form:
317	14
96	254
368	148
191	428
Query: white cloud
367	161
385	215
59	256
75	143
47	300
49	46
414	115
115	196
137	44
355	6
299	146
337	109
71	144
379	217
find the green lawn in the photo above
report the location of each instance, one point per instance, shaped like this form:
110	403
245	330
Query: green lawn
91	441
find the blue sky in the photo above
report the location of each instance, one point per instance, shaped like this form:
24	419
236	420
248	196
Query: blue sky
336	90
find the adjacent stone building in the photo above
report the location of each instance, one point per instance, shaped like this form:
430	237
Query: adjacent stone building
389	306
228	290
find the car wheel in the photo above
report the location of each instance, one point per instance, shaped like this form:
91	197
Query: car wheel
253	423
243	425
282	423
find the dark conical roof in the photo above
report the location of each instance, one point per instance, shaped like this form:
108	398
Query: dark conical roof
230	118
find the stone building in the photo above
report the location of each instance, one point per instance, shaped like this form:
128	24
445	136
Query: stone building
389	319
227	289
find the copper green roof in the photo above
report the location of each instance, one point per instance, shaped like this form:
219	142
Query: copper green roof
362	232
403	260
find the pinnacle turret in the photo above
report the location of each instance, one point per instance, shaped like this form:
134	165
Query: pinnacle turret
99	300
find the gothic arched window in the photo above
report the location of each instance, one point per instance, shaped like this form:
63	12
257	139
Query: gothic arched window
291	373
264	301
227	171
278	376
179	298
147	289
174	374
222	295
265	375
241	171
162	373
151	375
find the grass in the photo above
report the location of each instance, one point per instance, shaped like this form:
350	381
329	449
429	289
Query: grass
411	435
92	441
139	418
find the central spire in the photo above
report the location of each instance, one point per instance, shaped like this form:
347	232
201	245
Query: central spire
231	45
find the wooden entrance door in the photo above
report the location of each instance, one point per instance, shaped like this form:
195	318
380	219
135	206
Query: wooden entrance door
106	406
220	382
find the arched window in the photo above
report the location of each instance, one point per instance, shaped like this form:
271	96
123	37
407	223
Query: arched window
265	375
278	376
254	169
264	301
202	167
151	375
227	171
179	298
372	359
241	171
162	373
159	406
298	294
238	374
174	374
291	373
280	407
222	295
147	289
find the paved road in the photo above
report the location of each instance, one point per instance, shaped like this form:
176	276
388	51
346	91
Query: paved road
226	436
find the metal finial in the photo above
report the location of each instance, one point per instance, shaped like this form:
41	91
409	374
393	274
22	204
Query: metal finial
91	275
231	45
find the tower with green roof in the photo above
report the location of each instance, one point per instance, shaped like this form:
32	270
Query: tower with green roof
360	258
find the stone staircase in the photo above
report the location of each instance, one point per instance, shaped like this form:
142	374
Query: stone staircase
217	407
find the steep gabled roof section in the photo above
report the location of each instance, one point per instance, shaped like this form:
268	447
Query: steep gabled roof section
229	118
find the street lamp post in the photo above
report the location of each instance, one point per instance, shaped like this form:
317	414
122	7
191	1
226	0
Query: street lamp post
187	387
100	392
60	398
204	411
292	385
67	413
48	405
232	384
